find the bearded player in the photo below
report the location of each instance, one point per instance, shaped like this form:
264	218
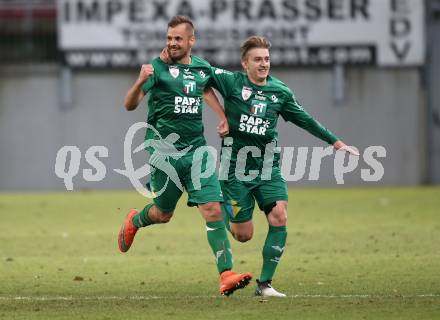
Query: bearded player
175	107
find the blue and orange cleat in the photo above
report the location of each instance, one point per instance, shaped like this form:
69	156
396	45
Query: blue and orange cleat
127	232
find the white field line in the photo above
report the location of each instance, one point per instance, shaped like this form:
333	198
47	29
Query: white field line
296	296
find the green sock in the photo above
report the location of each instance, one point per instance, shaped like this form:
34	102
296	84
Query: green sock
272	251
142	219
218	240
225	214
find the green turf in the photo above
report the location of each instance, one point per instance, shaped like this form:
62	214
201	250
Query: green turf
351	254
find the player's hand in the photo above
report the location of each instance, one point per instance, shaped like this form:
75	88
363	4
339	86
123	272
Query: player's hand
223	128
146	71
165	56
339	145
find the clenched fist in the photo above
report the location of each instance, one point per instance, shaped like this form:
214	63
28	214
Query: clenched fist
223	128
146	71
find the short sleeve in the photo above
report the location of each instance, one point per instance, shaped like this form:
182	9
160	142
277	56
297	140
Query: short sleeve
152	80
292	111
149	83
222	80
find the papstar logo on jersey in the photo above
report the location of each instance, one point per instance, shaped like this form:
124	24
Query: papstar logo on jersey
186	104
255	125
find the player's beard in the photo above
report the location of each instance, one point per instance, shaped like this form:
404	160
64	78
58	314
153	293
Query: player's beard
178	54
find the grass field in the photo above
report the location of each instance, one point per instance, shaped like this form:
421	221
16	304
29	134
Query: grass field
351	254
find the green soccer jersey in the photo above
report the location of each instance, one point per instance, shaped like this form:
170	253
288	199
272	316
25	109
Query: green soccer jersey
175	100
253	113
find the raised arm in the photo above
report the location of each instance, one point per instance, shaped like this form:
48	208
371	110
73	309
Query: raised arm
295	113
135	94
211	99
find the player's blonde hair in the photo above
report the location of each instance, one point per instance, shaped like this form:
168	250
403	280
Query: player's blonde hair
252	43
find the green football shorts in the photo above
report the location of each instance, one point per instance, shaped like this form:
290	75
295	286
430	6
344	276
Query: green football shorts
168	189
240	196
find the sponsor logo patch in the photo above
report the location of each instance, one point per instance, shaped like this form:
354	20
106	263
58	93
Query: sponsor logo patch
258	108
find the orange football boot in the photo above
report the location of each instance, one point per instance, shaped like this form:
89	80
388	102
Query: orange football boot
127	232
231	281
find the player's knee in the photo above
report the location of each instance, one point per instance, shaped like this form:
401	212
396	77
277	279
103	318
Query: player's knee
243	235
242	231
211	211
213	216
165	217
278	215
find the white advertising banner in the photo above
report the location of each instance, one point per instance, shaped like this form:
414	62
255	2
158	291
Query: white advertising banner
120	33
